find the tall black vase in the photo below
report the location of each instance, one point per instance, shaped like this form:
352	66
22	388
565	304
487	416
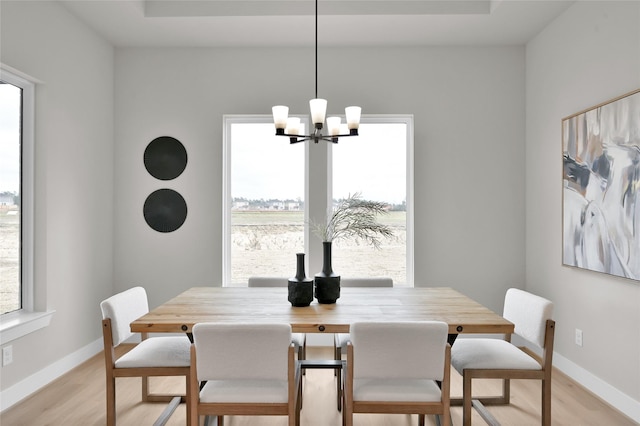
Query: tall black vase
327	283
300	287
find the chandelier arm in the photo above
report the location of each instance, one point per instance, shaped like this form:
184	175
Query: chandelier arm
332	139
293	140
319	135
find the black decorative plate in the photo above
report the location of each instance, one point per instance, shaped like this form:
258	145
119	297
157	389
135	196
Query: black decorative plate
165	158
165	210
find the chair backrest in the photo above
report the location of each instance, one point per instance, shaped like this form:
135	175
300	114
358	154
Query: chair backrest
366	282
529	313
242	351
400	350
268	282
122	309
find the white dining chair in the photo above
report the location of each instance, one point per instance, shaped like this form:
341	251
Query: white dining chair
340	339
398	368
156	356
499	359
244	369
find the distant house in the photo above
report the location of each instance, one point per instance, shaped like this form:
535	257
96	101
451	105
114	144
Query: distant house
240	205
277	205
293	205
7	199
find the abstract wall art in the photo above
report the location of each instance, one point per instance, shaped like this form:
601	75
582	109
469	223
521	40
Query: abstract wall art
601	187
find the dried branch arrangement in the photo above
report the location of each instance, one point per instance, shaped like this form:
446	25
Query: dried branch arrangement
355	218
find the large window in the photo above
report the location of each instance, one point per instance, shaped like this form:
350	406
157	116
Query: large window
10	195
19	314
271	189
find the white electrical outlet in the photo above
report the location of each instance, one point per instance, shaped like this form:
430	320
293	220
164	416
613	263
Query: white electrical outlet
578	337
7	355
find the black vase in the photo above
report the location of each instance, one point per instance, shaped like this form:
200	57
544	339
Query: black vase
300	287
327	283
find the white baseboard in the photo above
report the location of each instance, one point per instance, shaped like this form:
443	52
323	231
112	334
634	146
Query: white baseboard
36	381
612	396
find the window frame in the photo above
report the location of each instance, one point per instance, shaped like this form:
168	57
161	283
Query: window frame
322	160
29	318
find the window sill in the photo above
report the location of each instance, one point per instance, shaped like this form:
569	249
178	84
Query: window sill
19	324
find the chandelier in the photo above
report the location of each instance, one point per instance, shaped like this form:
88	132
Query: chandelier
290	126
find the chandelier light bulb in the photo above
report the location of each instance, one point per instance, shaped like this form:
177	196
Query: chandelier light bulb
333	125
353	117
280	114
318	109
293	126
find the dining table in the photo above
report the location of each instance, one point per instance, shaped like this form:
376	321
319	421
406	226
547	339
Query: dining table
270	305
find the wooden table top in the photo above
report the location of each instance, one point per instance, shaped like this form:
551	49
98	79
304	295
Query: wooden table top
259	304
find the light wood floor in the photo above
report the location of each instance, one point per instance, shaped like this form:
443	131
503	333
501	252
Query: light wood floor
78	398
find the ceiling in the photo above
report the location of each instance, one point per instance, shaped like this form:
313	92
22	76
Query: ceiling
235	23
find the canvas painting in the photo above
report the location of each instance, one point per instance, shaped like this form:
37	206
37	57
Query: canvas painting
601	192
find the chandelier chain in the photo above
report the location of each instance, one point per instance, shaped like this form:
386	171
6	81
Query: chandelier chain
316	49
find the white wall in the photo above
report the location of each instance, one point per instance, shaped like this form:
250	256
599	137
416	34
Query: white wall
74	181
468	105
588	55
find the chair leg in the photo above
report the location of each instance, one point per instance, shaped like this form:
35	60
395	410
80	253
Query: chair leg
347	390
292	420
546	402
187	397
347	415
145	388
466	399
300	390
339	391
506	391
302	354
300	395
420	419
111	401
298	407
444	419
338	374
